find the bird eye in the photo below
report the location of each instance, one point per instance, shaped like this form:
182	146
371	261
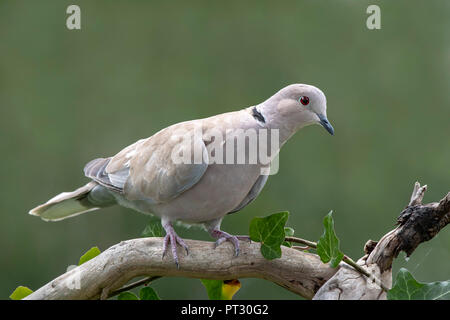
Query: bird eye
304	100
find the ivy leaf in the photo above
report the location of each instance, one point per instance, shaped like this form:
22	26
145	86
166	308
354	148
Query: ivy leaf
20	293
328	244
229	289
213	288
221	290
127	295
91	253
270	232
148	293
407	288
153	229
288	232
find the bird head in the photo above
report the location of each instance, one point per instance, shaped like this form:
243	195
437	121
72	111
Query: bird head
297	106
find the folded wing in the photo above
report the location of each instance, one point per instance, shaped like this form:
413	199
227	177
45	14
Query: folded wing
156	169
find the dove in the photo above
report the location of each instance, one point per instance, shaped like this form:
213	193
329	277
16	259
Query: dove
196	171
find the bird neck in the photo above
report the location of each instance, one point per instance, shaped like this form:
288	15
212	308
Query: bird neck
273	120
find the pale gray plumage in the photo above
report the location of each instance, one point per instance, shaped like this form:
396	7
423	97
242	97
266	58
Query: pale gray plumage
144	177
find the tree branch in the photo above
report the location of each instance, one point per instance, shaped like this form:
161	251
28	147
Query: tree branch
417	223
346	259
300	272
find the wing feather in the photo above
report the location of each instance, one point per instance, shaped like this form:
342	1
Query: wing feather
96	170
253	193
148	171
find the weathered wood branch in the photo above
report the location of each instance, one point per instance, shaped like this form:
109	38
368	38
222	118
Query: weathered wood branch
297	271
300	272
417	223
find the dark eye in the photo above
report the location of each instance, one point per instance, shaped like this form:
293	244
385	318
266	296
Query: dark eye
304	100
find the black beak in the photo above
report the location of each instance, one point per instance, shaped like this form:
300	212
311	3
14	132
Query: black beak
326	124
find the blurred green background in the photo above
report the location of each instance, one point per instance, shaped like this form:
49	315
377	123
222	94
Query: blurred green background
67	97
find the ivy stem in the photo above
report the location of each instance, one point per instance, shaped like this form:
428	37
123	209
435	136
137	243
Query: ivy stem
346	259
301	248
133	285
302	241
356	266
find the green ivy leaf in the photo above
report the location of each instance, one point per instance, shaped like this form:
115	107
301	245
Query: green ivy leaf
213	288
91	253
229	288
288	232
148	293
328	244
20	293
127	295
221	290
270	232
407	288
153	229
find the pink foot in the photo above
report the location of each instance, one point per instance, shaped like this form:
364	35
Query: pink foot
223	236
173	238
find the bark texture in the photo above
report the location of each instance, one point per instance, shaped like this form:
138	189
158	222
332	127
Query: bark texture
417	223
297	271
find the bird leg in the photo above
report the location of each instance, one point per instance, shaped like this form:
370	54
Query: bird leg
173	238
213	228
223	236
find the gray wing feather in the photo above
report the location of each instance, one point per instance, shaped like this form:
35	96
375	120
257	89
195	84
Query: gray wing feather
146	171
253	193
96	170
159	179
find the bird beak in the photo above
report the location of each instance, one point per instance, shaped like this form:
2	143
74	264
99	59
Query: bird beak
326	124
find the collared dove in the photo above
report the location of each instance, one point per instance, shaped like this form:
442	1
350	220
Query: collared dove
149	177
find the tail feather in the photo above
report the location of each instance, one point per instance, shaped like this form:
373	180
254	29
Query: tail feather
67	204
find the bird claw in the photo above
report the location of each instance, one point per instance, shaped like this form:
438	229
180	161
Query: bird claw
244	238
223	236
173	238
